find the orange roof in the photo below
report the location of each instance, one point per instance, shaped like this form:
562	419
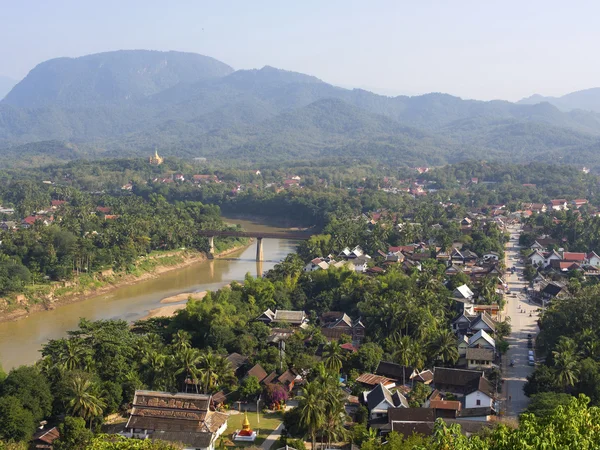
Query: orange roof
445	404
570	256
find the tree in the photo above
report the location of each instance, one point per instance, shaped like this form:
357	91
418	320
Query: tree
84	400
367	357
250	388
311	410
333	356
31	388
115	442
443	347
16	422
544	404
73	434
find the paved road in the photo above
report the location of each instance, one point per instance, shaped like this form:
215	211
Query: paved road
272	438
522	325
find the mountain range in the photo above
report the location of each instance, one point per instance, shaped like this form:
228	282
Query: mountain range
130	102
587	100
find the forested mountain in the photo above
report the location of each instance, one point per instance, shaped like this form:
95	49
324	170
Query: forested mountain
112	77
6	84
587	99
129	102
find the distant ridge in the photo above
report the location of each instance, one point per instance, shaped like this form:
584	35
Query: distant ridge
6	84
129	102
587	100
111	77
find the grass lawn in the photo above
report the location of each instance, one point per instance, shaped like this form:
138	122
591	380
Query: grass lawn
268	422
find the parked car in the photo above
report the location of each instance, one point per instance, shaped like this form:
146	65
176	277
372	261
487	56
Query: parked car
530	353
531	362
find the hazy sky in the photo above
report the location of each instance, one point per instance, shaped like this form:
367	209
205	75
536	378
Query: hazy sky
475	49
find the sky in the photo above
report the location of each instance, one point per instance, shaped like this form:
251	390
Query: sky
473	49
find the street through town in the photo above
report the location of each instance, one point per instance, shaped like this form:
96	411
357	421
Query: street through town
522	324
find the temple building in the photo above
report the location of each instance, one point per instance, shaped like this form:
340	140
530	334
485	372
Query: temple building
156	160
180	418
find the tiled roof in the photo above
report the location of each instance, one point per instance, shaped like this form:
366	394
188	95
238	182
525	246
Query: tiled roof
258	372
455	377
236	360
47	436
480	354
452	405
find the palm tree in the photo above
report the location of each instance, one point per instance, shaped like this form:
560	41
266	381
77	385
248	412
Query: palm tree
443	347
333	357
182	339
311	409
83	400
187	361
73	355
566	362
154	362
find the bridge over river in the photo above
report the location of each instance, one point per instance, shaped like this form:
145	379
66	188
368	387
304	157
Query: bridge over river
258	235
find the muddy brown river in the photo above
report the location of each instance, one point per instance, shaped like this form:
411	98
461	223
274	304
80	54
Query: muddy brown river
20	341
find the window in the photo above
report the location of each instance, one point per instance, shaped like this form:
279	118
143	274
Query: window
478	402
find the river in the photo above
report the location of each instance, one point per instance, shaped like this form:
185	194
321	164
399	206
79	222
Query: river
20	341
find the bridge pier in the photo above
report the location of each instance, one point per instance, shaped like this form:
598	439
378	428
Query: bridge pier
259	249
211	247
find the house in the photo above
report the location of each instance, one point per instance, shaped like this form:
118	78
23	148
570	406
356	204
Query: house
55	204
482	340
409	421
370	380
104	209
237	361
30	220
537	258
43	439
579	202
179	177
359	264
551	289
394	371
127	187
466	222
356	252
574	257
491	256
336	323
479	358
294	318
288	379
258	372
380	399
479	393
455	381
558	204
463	292
592	258
317	264
462	345
181	418
552	256
425	376
447	409
484	322
461	324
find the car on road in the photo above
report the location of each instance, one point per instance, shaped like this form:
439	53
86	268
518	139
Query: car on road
530	353
531	362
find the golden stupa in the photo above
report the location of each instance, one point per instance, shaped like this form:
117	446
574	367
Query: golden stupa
155	160
246	433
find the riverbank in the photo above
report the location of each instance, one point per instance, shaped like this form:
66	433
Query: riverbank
54	296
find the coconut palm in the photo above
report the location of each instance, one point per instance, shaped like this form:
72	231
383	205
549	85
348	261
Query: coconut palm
154	365
187	362
181	340
443	347
73	355
83	401
311	408
333	357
